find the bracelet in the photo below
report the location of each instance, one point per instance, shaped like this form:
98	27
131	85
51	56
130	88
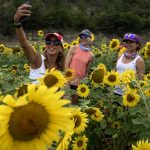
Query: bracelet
17	24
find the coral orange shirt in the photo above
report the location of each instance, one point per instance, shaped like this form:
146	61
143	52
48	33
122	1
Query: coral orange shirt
78	63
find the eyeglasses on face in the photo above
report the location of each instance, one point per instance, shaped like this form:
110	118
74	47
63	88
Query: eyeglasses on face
83	36
55	42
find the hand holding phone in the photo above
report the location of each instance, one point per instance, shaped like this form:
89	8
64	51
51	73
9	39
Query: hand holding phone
24	18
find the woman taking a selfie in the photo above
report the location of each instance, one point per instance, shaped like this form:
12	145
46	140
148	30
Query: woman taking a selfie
53	56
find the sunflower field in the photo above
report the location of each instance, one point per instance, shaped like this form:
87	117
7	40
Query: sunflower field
51	116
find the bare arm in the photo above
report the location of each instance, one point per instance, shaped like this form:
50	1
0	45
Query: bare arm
33	57
69	57
140	68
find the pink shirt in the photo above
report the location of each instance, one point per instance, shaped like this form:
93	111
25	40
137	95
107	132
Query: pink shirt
78	63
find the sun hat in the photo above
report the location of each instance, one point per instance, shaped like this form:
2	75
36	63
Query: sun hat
58	36
131	37
85	32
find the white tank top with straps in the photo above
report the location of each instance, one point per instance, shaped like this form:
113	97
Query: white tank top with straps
37	73
121	67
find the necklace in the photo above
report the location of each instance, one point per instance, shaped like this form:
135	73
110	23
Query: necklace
126	54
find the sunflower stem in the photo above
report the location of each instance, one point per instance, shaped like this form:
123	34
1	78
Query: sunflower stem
143	96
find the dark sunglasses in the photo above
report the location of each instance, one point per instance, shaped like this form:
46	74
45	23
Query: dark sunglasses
84	36
55	42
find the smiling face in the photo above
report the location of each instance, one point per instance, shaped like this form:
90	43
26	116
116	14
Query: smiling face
131	45
53	46
85	40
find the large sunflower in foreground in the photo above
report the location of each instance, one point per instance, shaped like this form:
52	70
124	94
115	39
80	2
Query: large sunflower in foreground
80	143
80	120
95	114
112	78
83	90
141	145
53	78
114	44
69	74
131	98
34	120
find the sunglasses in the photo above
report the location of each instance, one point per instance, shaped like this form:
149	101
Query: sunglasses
55	42
84	36
131	36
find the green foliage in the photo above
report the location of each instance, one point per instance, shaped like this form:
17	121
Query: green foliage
10	81
104	16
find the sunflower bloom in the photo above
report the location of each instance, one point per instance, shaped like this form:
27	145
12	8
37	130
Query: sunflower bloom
40	33
65	140
83	90
147	45
97	75
127	76
80	120
103	46
65	45
121	51
141	145
22	90
147	92
53	78
2	47
69	74
13	71
26	66
147	77
116	125
95	114
147	53
131	98
75	42
92	37
33	120
80	143
114	44
112	78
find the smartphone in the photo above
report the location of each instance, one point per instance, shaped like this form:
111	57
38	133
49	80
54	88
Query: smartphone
24	18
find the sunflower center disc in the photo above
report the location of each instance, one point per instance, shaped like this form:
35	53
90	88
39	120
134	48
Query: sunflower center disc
130	98
68	74
112	78
113	44
80	143
98	76
77	121
50	80
28	122
83	89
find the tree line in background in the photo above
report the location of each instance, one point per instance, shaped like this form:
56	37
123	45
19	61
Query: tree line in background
105	16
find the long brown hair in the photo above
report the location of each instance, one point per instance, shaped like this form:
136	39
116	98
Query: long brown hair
60	60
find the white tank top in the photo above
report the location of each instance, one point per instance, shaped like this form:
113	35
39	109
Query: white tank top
37	73
121	67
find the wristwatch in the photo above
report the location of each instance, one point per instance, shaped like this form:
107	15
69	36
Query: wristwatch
17	24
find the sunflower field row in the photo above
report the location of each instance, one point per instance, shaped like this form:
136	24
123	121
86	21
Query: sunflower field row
46	116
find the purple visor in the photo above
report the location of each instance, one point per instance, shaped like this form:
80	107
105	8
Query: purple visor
131	37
